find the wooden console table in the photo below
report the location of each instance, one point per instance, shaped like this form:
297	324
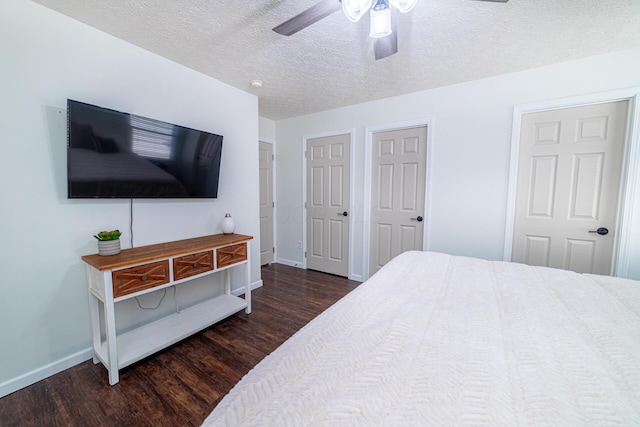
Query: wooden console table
145	269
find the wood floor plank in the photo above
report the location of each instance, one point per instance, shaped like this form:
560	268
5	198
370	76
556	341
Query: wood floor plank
181	384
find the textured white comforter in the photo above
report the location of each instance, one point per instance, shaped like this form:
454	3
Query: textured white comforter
436	340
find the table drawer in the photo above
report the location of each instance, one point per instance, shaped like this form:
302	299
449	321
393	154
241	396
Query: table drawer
135	279
231	254
190	265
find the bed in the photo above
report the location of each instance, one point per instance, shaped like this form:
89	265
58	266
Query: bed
440	340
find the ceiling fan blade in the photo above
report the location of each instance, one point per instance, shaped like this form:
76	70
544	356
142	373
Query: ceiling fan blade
387	46
310	16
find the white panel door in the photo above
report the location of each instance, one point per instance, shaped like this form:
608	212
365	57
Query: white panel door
397	194
266	202
328	204
568	182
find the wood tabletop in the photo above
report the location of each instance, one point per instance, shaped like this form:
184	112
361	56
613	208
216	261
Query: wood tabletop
162	250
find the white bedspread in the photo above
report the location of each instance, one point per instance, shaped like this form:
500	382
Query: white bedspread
436	340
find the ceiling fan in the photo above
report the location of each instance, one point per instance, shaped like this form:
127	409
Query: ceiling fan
382	15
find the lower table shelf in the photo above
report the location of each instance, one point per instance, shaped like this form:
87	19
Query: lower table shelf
139	343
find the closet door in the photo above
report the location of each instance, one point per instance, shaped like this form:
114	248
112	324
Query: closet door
267	247
568	183
398	184
327	204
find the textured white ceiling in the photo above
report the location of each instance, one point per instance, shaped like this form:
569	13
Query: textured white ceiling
330	64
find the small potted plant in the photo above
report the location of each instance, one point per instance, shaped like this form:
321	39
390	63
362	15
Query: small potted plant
108	242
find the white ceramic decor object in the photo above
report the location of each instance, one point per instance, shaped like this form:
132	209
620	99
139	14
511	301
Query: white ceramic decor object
109	247
228	224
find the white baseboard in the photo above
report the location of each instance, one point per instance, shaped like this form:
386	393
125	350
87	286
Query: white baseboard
58	366
46	371
357	278
289	262
240	291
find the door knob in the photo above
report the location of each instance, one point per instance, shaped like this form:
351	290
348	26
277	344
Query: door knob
601	231
343	213
419	219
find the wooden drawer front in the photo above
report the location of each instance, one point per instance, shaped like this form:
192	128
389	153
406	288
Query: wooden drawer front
139	278
190	265
231	254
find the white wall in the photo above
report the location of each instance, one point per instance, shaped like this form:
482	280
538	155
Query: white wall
267	129
634	262
47	58
470	150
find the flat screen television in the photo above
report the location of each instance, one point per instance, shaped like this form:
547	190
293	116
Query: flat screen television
111	154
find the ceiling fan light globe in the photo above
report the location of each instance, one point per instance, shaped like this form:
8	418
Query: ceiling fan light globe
380	23
403	6
355	9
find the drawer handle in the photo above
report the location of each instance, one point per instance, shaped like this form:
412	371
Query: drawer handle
144	277
195	265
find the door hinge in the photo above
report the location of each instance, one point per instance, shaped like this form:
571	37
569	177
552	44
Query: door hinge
273	204
274	250
273	157
305	254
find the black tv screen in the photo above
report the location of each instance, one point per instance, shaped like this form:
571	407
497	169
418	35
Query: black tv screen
111	154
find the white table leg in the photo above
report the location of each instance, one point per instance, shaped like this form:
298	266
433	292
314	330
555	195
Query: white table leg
247	292
110	329
95	325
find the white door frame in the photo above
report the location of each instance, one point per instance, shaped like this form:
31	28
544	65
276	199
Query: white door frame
629	172
368	159
273	181
351	133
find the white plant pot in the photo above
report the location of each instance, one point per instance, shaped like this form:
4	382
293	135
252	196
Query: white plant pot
228	224
108	247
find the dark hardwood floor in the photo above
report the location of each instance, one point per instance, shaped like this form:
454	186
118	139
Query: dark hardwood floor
181	385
